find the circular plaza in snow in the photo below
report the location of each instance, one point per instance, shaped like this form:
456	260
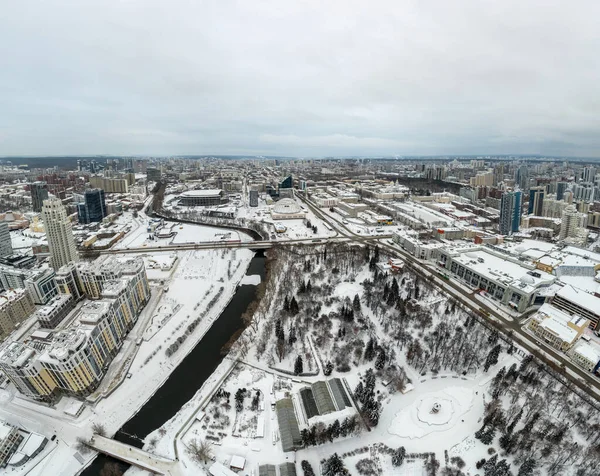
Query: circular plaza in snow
435	411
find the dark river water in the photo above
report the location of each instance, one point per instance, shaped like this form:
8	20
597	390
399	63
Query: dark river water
190	374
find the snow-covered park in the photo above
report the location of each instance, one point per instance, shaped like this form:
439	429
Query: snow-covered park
434	390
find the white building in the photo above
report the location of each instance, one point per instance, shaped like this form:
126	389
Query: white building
59	233
572	223
585	355
558	328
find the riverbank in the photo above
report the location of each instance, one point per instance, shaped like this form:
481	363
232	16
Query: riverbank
198	365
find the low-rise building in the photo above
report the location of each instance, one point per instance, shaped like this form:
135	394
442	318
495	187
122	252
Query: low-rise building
586	355
559	329
203	198
10	438
576	301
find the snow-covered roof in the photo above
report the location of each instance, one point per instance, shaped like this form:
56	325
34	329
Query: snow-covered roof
32	444
215	192
588	351
581	298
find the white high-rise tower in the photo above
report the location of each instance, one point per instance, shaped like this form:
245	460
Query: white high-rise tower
59	233
573	223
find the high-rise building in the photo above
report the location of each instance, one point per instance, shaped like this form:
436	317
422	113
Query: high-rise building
522	177
572	223
6	248
536	200
561	188
93	209
588	174
39	193
153	174
74	359
15	306
59	233
510	212
253	198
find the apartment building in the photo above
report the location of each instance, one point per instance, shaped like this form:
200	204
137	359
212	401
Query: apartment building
73	360
16	305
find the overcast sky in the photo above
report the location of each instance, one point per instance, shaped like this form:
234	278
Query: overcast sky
299	77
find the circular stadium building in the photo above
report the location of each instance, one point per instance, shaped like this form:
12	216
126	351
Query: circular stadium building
287	209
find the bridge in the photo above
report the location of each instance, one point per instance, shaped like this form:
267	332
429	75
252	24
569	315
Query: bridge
252	245
135	456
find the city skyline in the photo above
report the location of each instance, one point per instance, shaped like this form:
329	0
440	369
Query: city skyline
329	79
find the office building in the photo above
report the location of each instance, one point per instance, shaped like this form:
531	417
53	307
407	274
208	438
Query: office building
253	198
522	177
561	188
588	174
6	248
59	233
38	281
74	360
93	209
39	193
153	174
110	185
15	306
510	212
536	201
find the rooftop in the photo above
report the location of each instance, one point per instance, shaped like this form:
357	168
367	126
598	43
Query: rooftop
585	300
215	192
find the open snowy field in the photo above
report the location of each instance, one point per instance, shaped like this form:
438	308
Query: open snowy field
183	233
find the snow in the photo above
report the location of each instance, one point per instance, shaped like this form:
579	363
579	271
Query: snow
418	419
198	278
253	279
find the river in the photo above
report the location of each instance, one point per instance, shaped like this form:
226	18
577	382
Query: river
189	375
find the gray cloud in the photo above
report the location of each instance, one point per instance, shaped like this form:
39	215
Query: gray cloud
301	78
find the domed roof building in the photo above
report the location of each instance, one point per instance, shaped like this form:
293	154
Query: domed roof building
287	209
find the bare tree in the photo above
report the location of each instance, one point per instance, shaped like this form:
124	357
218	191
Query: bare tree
200	450
98	429
82	446
111	469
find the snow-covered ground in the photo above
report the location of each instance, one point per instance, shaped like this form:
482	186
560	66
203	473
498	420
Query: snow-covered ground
139	237
198	278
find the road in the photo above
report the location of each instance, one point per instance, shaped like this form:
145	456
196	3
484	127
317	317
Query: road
512	327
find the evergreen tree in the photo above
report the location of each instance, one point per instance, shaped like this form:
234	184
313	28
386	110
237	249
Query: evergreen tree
398	456
307	468
334	466
370	350
356	303
308	287
294	306
359	391
380	362
302	289
527	467
328	368
490	465
502	469
298	366
292	338
395	288
286	304
335	429
492	358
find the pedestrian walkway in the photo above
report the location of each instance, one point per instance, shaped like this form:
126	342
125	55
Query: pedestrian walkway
135	456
